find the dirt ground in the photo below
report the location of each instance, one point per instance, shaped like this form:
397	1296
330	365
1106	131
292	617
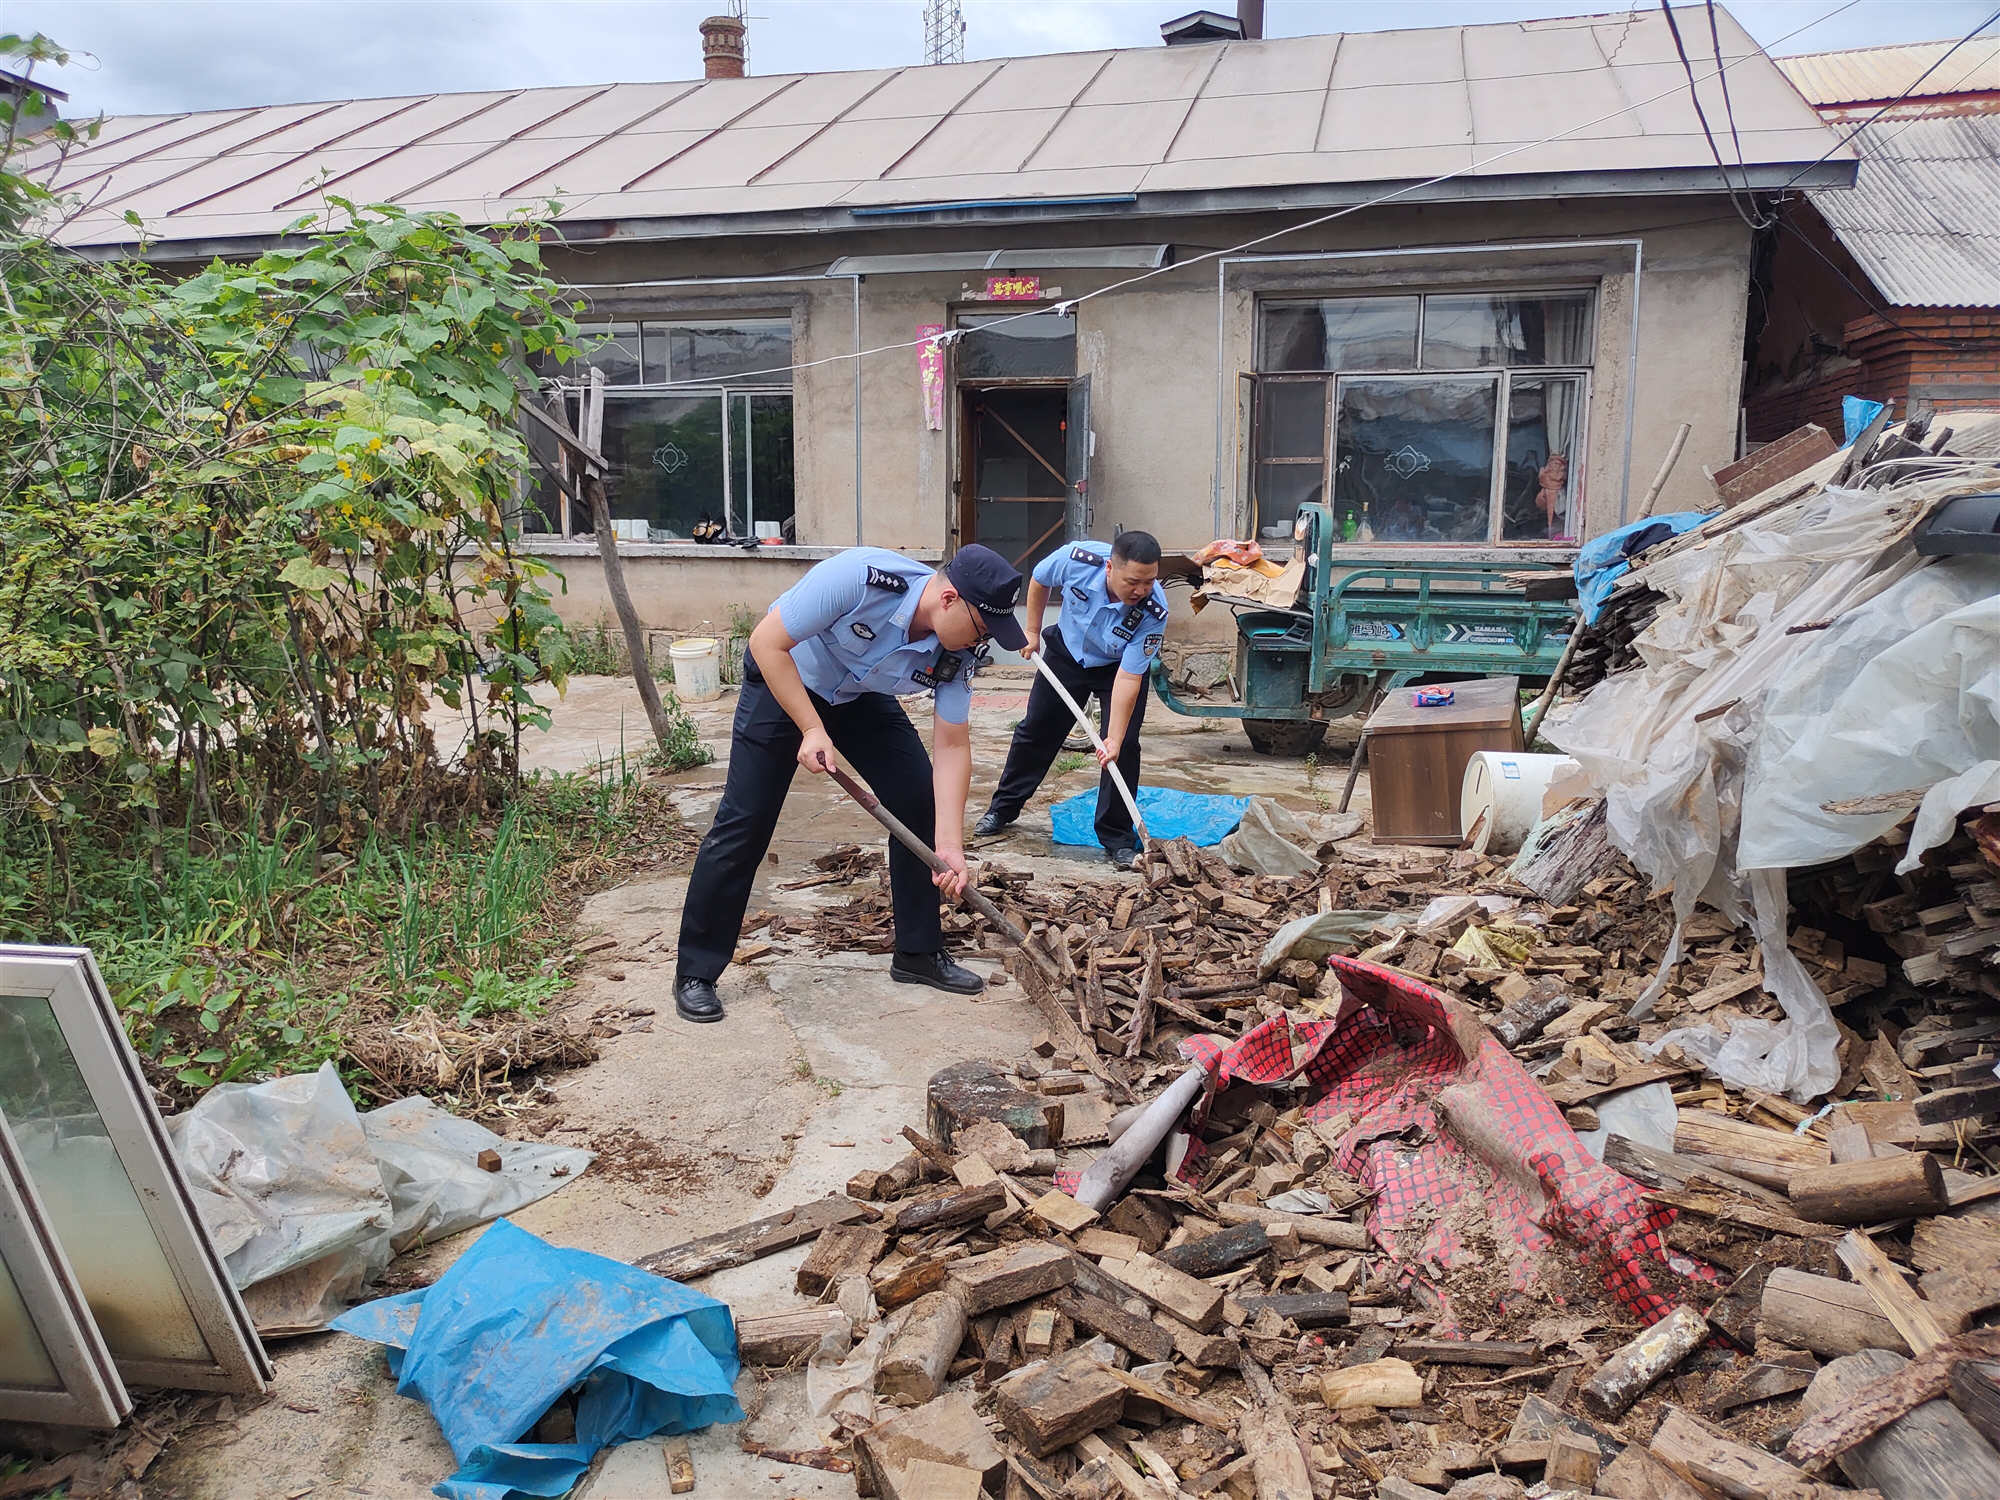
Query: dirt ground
819	1064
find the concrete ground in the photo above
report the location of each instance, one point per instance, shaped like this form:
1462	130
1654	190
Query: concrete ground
819	1064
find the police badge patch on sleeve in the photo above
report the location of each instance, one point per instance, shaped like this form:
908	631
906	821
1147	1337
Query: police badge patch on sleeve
882	578
1151	645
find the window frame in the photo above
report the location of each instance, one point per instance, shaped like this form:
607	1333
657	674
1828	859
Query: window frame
68	979
724	391
1504	374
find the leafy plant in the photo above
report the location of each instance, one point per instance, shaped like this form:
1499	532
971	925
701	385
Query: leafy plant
591	653
684	749
1070	761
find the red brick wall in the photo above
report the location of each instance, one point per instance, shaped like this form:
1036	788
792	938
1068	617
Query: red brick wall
1945	357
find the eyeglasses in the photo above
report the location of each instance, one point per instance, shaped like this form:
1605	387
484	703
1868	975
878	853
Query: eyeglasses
978	622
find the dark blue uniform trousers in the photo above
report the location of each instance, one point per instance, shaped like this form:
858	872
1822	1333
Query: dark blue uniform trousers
877	738
1039	737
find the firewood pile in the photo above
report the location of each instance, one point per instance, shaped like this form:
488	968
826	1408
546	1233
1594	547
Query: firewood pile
1244	1335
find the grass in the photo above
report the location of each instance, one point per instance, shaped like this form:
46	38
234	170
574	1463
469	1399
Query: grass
256	954
1313	789
684	749
1070	761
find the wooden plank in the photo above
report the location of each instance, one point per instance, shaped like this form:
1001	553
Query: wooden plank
1829	1317
1172	1400
1052	1404
1105	1242
1698	1452
1958	1104
1061	1212
946	1431
1894	1298
1195	1303
1314	1230
1955	1244
1308	1310
753	1241
1492	1352
926	1479
680	1465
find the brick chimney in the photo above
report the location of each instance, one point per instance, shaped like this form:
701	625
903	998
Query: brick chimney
722	47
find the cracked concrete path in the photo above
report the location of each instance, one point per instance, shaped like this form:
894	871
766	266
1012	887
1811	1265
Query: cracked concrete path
820	1063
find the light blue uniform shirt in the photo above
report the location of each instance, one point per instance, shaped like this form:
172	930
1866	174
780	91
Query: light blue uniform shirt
851	618
1096	628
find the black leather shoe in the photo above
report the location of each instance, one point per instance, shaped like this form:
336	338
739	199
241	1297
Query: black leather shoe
1124	857
696	1000
989	823
936	970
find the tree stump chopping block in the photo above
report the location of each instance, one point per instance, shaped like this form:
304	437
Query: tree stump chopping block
969	1092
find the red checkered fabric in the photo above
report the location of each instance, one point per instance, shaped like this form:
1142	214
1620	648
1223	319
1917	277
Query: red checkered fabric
1381	1067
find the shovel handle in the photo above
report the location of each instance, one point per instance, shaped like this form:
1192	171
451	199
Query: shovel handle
973	897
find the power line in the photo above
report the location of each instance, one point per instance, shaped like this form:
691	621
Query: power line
1694	97
1728	105
1070	304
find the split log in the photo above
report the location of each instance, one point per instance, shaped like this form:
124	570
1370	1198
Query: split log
1932	1453
780	1338
1052	1404
1768	1157
1147	1340
1338	1233
895	1282
951	1210
1829	1317
926	1479
1975	1391
1269	1434
843	1251
1874	1405
1195	1303
1004	1277
1631	1371
1572	1464
919	1356
1171	1400
1381	1382
1870	1192
1307	1310
753	1241
946	1431
1213	1254
1522	1019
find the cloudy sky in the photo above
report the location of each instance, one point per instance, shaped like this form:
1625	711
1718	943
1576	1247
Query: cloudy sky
161	55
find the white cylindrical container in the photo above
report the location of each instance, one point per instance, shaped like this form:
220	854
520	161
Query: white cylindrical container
769	531
697	669
1501	800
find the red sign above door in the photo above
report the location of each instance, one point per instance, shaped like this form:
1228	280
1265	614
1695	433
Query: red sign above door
1013	288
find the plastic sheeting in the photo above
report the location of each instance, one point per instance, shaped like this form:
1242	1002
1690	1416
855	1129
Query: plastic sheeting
517	1322
1198	817
1270	841
308	1200
1738	665
1465	1156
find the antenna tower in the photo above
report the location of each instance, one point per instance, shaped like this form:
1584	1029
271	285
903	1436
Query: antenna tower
944	32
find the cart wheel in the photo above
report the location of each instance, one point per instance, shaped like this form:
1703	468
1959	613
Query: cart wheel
1292	737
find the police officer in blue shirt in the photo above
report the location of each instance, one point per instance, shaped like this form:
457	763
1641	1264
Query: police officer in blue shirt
823	673
1114	616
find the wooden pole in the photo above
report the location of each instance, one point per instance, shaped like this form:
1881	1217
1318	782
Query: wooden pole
1666	467
1907	1185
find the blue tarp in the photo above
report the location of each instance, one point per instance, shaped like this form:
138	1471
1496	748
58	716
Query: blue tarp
1168	814
1856	412
515	1323
1603	560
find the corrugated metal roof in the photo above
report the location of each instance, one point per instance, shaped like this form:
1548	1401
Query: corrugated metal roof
1278	118
1923	217
1862	75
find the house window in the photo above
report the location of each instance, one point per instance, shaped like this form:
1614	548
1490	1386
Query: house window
697	426
1446	417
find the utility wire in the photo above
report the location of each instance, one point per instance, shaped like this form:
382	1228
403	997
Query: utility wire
1069	304
1728	105
1694	97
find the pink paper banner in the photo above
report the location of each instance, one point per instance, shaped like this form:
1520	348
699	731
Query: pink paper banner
930	365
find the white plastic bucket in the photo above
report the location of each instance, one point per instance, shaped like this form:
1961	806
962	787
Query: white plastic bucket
1501	799
697	666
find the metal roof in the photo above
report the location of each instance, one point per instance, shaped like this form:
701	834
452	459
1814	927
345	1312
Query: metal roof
1289	123
1923	217
1875	75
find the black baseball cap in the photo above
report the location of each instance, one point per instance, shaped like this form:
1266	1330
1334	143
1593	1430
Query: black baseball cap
991	585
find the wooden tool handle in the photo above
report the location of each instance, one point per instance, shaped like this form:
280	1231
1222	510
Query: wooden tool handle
900	831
